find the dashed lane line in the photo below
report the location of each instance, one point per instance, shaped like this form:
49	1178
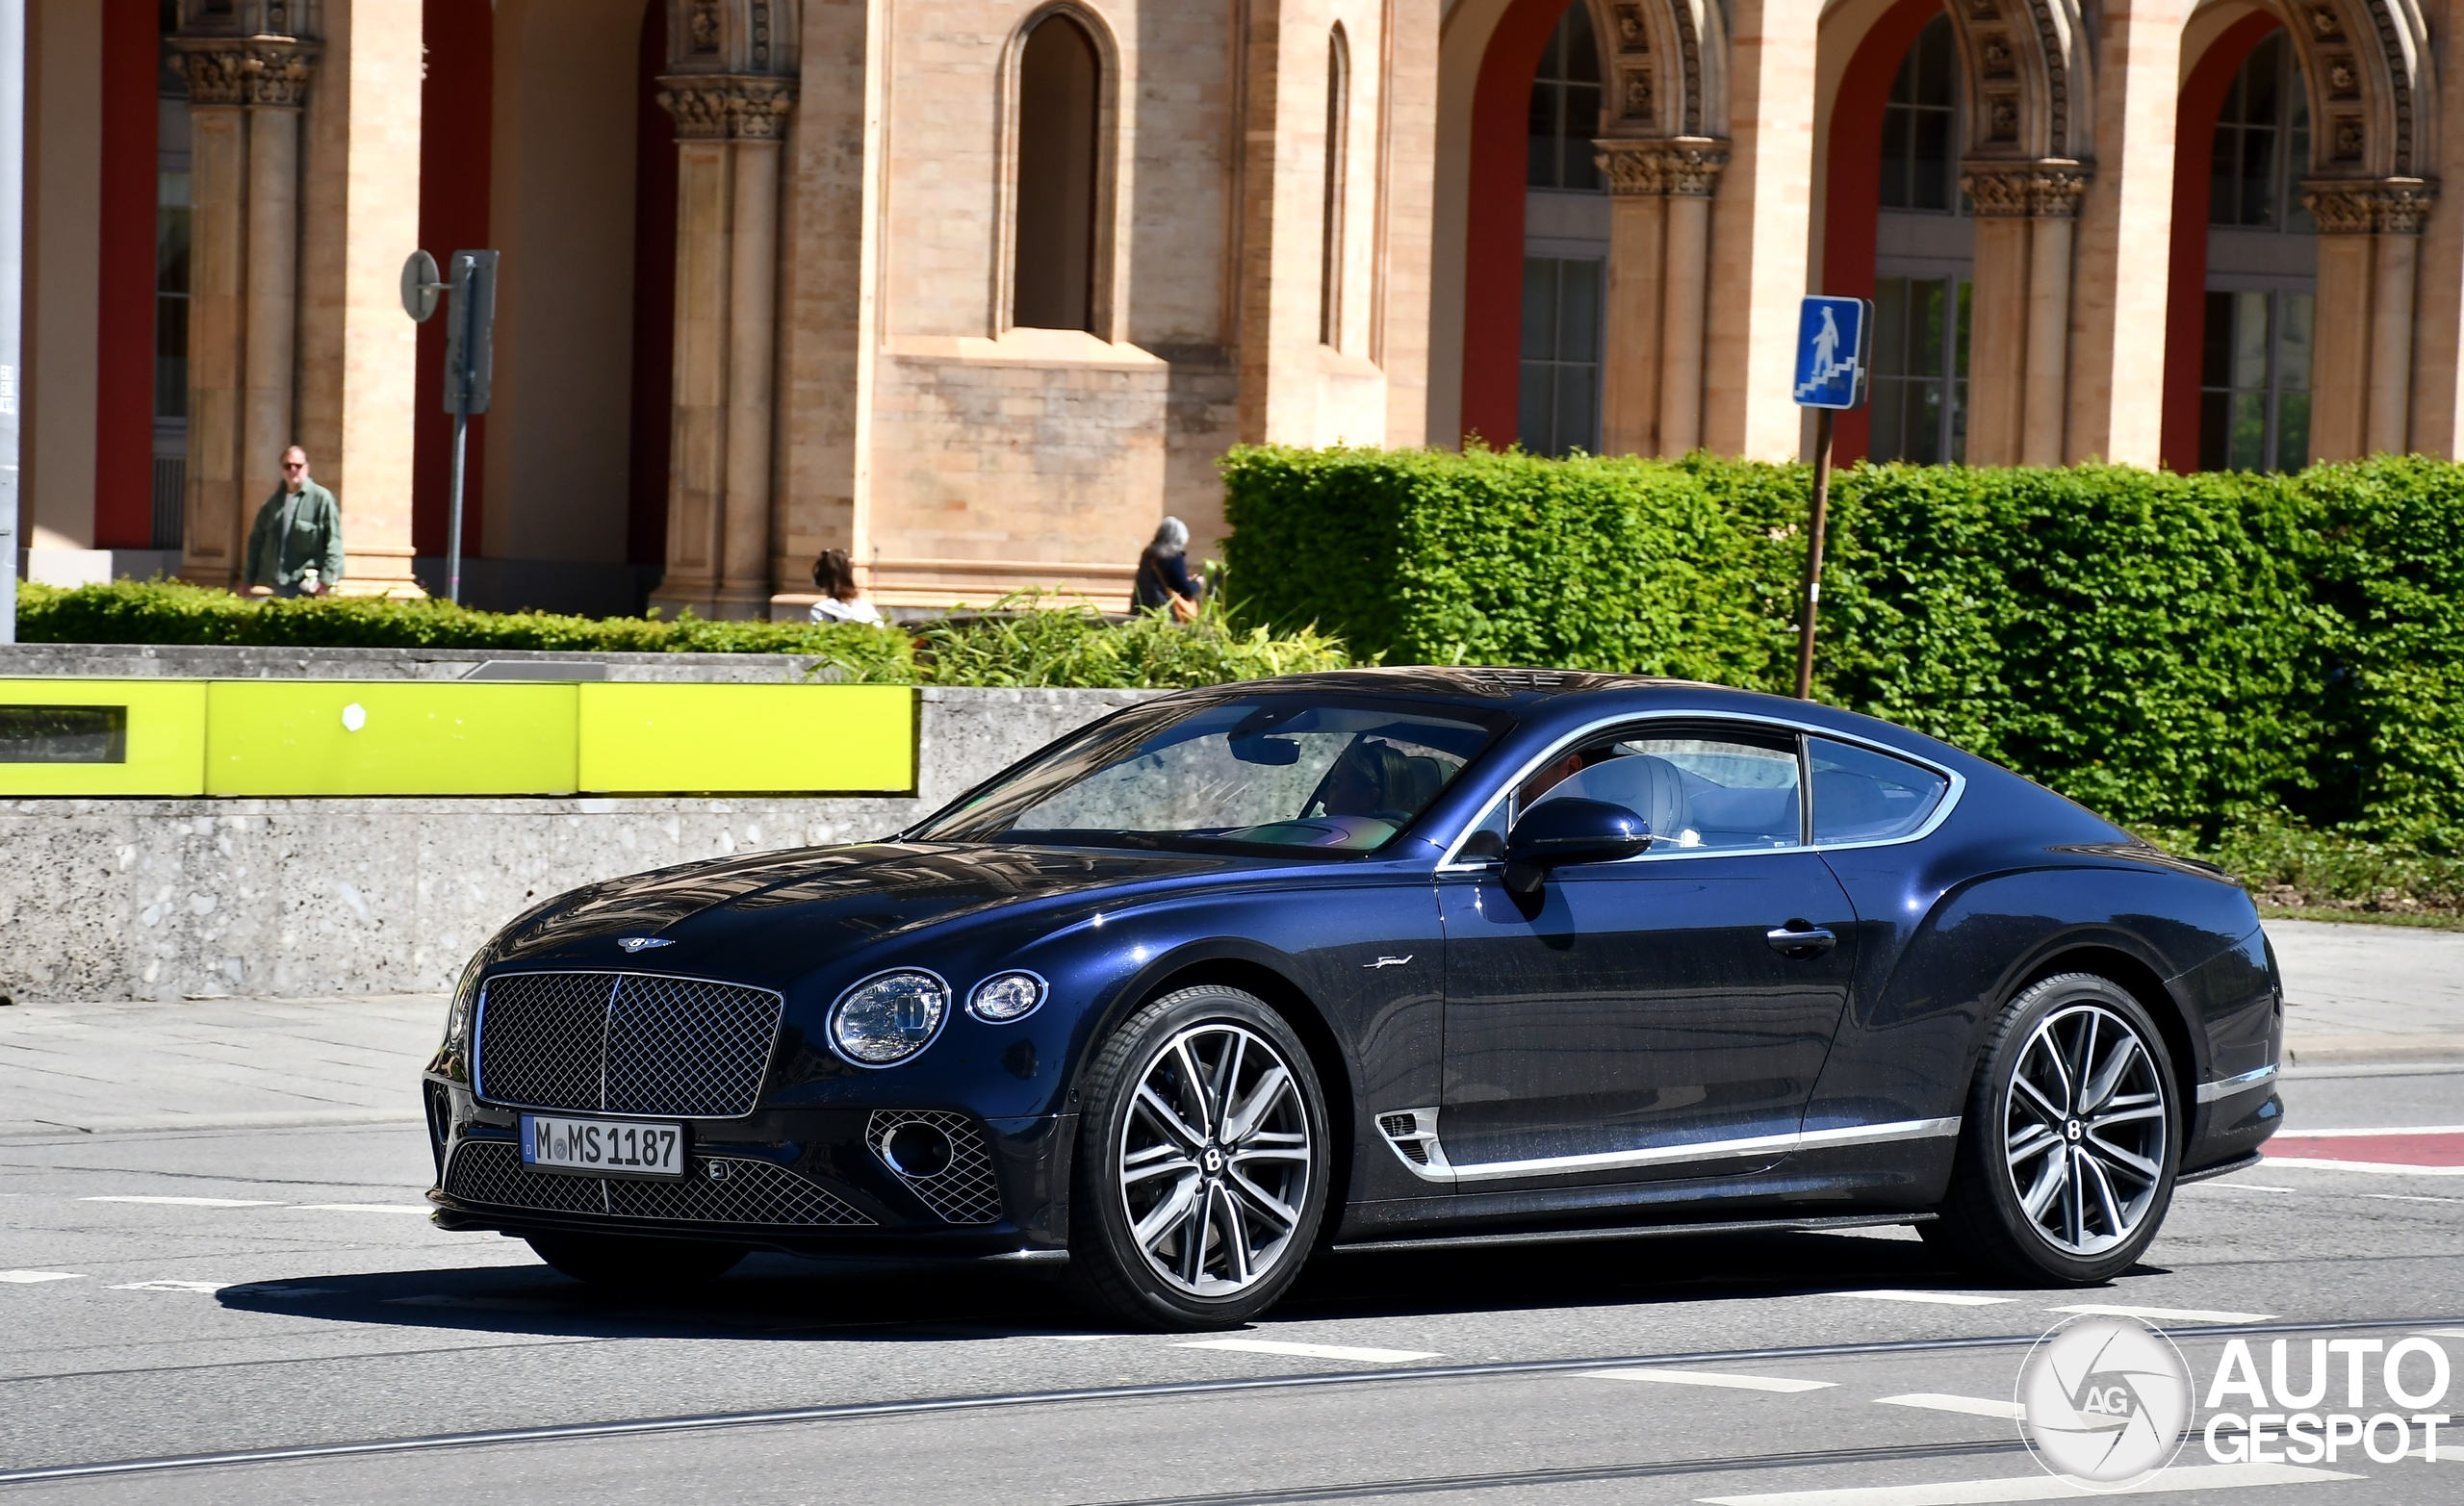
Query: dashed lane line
2164	1314
362	1208
28	1278
1717	1378
191	1202
2401	1197
1956	1299
1364	1355
1965	1406
202	1287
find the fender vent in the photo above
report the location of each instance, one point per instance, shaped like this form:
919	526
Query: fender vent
1412	1133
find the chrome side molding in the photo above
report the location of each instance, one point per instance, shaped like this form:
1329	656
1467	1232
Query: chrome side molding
2227	1087
1412	1134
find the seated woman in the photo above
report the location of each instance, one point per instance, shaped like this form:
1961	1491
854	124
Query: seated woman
835	574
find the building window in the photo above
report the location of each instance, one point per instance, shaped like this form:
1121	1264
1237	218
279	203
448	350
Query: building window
1565	106
2262	143
2254	382
171	295
1560	409
1053	263
1920	125
1330	229
1920	370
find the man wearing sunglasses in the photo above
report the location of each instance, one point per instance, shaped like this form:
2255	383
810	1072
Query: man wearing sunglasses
296	547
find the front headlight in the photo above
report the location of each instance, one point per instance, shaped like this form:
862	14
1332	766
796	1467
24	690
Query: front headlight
1005	997
457	1015
889	1017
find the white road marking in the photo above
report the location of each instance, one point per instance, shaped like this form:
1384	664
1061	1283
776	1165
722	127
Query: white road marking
280	1290
2039	1487
1311	1351
2376	1169
1717	1378
362	1208
2342	1134
2440	1333
1969	1406
1084	1338
2399	1197
2243	1186
208	1288
1953	1299
2165	1315
27	1278
188	1202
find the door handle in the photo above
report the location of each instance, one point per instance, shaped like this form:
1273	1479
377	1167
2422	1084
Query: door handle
1798	940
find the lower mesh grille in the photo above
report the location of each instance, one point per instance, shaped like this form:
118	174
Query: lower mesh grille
965	1191
749	1192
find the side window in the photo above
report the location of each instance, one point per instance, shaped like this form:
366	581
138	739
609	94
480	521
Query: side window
1694	791
1860	796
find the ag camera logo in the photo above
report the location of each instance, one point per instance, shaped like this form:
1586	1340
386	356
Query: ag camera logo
2106	1402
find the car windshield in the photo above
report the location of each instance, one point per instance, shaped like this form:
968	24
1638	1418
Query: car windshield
1269	773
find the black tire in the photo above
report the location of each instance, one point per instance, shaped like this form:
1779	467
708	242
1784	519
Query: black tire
1211	1216
637	1266
1986	1222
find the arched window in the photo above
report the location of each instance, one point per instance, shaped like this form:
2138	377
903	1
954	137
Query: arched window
1330	230
1052	283
1920	157
1565	106
2254	356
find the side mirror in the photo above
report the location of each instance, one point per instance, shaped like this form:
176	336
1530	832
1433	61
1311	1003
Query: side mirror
1570	830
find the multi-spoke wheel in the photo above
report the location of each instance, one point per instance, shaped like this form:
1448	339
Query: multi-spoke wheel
2066	1159
1202	1161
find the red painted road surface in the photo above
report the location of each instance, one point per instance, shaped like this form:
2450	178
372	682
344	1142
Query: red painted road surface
2437	1149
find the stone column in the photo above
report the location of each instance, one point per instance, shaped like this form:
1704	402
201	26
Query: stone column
214	528
1658	267
2361	359
728	131
1759	227
2018	335
2117	360
277	80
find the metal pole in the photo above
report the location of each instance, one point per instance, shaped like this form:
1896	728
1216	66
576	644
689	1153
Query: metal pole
1813	551
453	529
12	266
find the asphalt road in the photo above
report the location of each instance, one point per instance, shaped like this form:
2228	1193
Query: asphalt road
169	1295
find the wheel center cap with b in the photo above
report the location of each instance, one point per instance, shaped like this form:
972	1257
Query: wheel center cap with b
2074	1131
1212	1160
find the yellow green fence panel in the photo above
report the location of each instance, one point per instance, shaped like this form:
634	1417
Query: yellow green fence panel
746	739
276	737
102	737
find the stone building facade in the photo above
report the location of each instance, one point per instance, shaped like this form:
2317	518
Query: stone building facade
979	290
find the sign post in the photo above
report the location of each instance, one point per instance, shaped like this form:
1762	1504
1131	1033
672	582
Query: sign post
469	360
1835	337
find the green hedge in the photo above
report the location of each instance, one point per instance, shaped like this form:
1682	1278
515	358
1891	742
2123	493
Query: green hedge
1054	647
2196	652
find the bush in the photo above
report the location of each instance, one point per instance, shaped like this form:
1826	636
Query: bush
1010	646
2199	654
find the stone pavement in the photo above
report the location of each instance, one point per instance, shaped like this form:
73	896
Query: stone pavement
2355	993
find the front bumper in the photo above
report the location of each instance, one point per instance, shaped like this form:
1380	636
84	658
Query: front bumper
806	1182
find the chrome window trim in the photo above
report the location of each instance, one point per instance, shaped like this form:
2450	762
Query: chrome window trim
1442	1171
1451	863
2227	1087
478	1038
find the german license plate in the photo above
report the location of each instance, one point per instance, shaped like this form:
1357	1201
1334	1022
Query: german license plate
602	1147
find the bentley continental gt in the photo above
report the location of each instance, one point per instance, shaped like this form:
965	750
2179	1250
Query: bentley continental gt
1245	977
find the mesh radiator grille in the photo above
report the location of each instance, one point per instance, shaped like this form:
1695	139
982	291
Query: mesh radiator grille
625	1043
749	1192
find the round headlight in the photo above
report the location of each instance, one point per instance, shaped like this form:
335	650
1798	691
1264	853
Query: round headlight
1003	997
889	1017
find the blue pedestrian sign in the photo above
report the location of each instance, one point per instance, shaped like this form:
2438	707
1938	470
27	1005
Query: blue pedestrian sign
1834	338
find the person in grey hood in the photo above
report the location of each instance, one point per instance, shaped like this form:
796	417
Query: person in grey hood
296	547
1164	573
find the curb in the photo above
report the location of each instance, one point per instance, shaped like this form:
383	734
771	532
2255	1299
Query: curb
2340	1050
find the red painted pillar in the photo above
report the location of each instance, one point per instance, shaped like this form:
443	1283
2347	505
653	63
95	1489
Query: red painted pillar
1493	236
2202	99
1852	195
125	326
456	130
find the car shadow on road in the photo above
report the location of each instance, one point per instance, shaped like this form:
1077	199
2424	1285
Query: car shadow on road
778	1298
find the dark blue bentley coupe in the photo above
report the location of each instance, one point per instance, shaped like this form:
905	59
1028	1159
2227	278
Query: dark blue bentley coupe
1378	959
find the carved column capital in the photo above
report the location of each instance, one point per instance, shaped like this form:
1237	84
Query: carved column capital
2358	207
2047	189
270	72
716	106
1680	166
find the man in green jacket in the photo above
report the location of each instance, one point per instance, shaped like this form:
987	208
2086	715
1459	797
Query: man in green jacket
296	547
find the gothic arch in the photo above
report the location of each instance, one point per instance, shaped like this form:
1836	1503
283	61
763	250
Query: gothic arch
2029	83
1665	64
2372	98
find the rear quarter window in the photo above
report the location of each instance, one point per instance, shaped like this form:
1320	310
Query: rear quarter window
1863	795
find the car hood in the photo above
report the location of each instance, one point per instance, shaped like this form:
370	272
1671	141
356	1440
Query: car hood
848	895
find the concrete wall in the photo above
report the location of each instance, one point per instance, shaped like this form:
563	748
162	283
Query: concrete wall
171	899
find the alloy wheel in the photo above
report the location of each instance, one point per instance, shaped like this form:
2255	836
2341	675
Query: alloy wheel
2084	1126
1215	1159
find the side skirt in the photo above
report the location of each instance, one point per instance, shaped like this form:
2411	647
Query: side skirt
1775	1225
